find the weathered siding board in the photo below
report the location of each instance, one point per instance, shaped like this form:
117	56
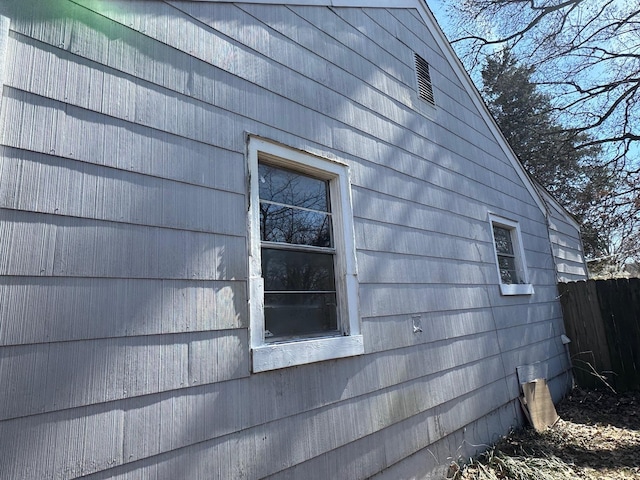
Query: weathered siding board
5	23
454	244
117	144
397	331
91	248
566	251
508	316
74	374
433	461
520	336
298	38
65	444
541	275
550	350
46	184
452	158
560	223
475	231
143	103
373	206
326	30
381	267
439	188
53	309
566	243
390	299
375	236
368	28
450	418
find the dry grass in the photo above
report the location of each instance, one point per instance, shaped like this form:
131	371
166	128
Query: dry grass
597	438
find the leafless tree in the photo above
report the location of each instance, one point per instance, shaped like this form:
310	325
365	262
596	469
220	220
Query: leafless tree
586	58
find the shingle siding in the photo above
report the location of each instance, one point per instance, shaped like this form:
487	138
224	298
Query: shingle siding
123	232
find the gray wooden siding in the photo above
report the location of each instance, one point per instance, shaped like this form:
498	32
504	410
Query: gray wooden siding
123	332
566	244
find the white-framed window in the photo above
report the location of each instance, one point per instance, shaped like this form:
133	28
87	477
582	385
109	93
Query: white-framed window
510	261
303	285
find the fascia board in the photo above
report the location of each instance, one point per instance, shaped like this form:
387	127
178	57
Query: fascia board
462	75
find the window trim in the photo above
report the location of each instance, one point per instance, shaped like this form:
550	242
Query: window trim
525	288
273	355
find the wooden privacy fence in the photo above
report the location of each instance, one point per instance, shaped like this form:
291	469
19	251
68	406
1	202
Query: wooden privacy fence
602	319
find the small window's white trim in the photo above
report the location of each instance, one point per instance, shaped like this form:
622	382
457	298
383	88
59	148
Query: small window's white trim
516	289
525	288
349	342
280	355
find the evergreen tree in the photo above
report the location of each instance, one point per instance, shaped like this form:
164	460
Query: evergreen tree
547	150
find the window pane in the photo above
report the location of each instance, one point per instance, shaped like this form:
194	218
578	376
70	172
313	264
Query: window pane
295	226
297	271
508	272
503	240
292	314
291	188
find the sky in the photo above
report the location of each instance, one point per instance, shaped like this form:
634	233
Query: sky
438	9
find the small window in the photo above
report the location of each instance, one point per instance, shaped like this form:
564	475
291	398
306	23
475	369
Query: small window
510	261
425	88
303	283
298	254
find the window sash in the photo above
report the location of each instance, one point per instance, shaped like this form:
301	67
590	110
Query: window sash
290	272
508	269
314	228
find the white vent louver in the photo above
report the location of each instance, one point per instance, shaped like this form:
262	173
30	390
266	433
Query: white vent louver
425	89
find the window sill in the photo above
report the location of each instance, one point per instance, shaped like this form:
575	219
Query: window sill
516	289
282	355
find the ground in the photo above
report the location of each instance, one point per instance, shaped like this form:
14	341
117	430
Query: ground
596	438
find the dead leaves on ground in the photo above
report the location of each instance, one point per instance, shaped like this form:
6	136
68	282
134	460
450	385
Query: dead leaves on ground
596	438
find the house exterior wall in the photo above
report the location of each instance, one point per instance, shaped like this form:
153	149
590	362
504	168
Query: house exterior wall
566	243
123	213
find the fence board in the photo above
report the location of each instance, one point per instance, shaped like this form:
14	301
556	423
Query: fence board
621	329
602	318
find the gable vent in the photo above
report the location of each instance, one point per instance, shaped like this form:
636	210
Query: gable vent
425	89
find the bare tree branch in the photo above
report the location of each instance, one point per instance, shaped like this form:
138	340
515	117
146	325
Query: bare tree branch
586	59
